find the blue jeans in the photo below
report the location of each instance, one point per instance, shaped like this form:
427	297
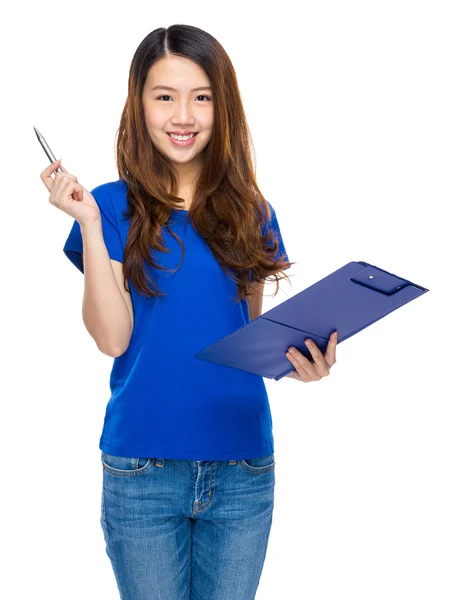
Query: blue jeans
187	529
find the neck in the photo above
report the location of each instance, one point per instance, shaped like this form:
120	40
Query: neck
187	175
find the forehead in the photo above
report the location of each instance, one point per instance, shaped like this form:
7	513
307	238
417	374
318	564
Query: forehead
177	72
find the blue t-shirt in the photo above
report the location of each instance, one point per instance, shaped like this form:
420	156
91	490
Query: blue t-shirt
164	402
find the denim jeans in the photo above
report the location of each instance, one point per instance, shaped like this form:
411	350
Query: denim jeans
187	529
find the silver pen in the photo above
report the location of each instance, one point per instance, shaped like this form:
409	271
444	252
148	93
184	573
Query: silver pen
47	150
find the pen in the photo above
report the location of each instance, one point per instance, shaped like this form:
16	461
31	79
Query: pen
47	150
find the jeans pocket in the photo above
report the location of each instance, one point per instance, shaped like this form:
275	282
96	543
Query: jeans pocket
261	464
124	466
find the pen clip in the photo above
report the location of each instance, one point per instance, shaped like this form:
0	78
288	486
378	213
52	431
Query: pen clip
379	281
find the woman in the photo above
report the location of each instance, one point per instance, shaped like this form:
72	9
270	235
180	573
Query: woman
187	445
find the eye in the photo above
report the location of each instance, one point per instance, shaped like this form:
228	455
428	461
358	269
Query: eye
167	96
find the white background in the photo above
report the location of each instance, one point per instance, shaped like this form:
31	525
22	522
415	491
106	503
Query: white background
358	115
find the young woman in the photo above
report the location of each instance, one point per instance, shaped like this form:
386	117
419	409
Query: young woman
175	254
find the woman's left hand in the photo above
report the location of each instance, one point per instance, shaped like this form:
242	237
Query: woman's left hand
307	371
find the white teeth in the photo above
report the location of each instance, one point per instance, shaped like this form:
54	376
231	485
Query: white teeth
181	137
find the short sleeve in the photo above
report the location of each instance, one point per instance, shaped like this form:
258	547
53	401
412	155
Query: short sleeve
73	248
274	225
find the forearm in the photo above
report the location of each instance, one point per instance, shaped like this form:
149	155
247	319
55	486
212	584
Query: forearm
105	313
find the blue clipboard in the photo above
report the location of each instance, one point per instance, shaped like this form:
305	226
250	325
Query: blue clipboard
348	300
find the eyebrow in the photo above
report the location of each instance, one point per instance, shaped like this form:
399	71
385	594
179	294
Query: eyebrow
166	87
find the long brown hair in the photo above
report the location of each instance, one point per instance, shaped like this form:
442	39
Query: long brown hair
228	209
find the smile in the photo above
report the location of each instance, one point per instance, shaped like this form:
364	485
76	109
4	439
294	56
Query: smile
182	140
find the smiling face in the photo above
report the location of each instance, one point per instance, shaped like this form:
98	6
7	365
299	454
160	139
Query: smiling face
182	108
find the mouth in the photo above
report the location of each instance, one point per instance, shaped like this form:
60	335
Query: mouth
195	133
183	143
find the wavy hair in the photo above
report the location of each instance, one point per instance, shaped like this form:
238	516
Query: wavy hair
228	209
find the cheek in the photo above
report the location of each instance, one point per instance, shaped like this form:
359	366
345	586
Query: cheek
153	119
206	128
154	122
207	121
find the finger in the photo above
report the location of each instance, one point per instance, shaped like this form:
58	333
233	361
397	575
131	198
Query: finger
306	369
330	355
321	364
64	182
47	172
61	182
294	375
65	172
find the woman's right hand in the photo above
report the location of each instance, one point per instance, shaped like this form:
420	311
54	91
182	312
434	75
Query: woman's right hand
69	195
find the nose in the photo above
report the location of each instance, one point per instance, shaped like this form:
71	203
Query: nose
183	116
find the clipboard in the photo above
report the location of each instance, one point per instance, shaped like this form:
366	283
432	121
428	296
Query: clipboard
348	300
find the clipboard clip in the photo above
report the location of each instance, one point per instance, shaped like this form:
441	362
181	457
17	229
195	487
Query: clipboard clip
380	281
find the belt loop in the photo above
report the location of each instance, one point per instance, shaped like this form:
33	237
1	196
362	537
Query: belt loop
159	462
232	462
